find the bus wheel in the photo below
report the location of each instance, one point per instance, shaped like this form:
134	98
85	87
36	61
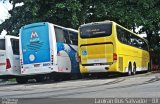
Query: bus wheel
40	78
134	69
21	80
130	69
66	76
55	76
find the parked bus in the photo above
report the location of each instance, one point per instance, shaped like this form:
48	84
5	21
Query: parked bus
109	47
47	49
9	56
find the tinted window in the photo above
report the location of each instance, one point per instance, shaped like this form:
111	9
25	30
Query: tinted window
2	44
128	38
122	35
59	34
73	38
66	36
96	30
15	46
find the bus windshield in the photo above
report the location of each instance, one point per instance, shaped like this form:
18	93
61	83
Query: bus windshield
96	30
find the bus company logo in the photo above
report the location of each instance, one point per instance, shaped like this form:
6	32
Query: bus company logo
35	43
84	52
34	37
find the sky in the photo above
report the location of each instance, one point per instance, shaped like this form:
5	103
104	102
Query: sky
4	7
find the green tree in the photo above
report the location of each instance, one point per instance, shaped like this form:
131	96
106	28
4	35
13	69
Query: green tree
63	13
72	13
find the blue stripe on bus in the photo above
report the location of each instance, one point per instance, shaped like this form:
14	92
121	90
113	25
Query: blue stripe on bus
72	55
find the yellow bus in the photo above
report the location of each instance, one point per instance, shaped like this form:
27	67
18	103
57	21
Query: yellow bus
109	47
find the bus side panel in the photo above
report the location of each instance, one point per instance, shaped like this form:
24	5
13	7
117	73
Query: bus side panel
67	58
137	56
130	52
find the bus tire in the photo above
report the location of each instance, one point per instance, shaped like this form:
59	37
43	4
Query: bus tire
134	68
40	78
65	76
129	69
55	77
21	80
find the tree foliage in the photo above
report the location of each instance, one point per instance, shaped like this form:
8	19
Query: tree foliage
72	13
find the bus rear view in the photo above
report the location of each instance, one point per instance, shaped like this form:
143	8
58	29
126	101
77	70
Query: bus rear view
35	54
96	47
47	51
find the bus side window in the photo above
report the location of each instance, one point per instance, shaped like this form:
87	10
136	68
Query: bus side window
121	35
128	36
134	41
74	38
66	36
59	35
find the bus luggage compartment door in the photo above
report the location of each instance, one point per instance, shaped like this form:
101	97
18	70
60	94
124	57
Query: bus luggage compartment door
97	53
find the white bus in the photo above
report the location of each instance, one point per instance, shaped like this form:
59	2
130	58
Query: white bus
47	48
9	56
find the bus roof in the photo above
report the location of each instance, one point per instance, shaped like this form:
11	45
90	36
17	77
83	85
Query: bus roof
65	28
44	23
70	29
33	25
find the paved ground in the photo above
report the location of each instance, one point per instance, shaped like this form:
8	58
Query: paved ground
145	85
